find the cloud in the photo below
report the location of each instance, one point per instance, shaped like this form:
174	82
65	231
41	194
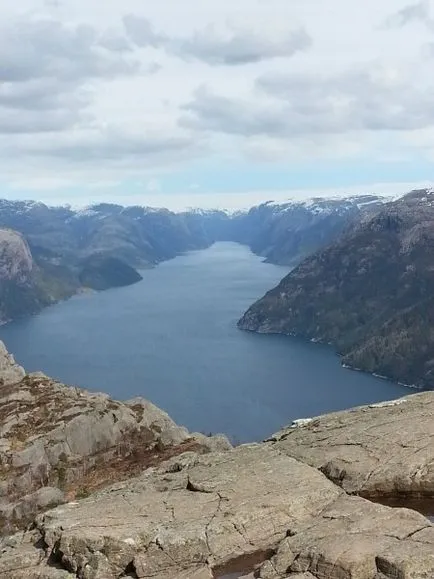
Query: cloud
35	48
114	146
153	185
418	12
281	82
211	112
233	46
288	106
45	66
140	31
237	47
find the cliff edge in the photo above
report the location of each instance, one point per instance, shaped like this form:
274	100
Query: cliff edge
138	496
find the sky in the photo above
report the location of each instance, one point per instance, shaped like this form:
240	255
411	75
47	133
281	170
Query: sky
206	103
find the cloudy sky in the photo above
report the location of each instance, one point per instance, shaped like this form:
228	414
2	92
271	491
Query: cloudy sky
214	102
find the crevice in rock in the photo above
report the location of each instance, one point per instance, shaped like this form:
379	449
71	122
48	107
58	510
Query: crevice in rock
163	550
55	558
220	499
197	489
130	571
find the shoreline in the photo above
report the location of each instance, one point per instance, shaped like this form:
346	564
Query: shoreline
318	341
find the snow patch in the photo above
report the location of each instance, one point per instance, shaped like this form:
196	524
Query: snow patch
388	403
301	422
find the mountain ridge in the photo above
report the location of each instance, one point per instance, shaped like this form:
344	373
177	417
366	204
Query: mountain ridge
103	245
368	294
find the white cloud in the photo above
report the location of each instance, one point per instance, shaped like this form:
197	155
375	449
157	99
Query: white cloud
107	91
418	12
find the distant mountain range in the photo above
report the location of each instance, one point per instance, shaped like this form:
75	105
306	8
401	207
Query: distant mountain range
370	293
363	277
102	246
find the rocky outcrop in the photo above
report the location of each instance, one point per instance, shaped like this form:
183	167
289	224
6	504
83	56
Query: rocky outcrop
10	371
134	495
212	515
385	450
16	261
58	442
369	294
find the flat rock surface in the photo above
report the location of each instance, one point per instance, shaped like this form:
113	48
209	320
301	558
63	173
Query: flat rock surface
192	515
357	539
379	450
213	511
199	517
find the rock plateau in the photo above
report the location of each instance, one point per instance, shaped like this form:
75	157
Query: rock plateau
92	488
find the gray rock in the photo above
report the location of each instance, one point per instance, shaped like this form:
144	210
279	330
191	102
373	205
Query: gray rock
378	450
57	437
222	508
225	506
188	506
359	539
10	371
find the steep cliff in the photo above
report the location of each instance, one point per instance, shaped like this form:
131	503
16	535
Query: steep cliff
20	293
369	294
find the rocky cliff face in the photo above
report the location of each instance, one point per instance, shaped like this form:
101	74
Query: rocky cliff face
20	292
140	497
57	442
369	294
16	261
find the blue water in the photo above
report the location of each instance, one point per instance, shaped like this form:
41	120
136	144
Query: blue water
173	339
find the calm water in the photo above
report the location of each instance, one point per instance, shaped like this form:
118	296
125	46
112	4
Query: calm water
173	339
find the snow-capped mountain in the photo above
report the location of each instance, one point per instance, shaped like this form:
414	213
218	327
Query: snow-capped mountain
97	244
287	232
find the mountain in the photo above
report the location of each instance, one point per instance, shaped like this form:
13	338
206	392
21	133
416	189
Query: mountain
370	294
141	236
138	235
99	247
285	233
102	246
24	287
100	273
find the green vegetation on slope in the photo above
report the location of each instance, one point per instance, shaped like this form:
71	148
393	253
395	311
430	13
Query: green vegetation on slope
371	294
100	273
